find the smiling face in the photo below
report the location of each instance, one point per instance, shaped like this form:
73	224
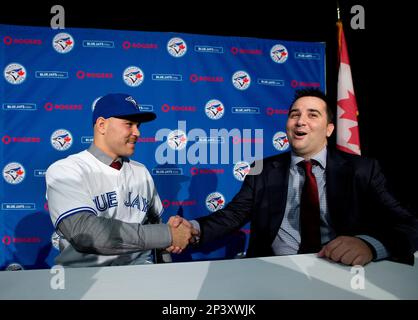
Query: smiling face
116	137
307	126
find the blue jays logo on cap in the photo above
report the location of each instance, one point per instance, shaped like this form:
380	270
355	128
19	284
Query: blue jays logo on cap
120	105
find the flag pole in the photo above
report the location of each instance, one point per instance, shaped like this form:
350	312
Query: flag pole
339	29
338	11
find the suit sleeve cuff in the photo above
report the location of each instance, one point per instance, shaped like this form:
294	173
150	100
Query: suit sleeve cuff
378	249
196	225
157	235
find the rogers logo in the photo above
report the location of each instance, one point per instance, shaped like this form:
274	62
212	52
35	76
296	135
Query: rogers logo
270	111
295	83
8	139
166	108
195	171
27	240
80	74
49	106
166	203
196	78
7	240
235	51
8	40
146	139
95	75
128	45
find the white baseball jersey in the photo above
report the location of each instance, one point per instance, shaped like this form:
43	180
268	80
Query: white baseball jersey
81	183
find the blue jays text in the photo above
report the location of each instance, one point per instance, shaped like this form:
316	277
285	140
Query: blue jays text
109	199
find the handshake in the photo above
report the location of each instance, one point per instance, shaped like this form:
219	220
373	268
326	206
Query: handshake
182	232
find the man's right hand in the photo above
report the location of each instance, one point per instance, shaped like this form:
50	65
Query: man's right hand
182	233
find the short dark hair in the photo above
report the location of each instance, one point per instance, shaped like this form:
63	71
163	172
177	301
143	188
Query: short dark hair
314	92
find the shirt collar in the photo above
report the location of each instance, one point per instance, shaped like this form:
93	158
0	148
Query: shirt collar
103	157
320	157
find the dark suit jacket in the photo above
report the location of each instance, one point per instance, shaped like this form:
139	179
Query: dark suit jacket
358	203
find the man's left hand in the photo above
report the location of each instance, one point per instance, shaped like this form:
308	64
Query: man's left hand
347	250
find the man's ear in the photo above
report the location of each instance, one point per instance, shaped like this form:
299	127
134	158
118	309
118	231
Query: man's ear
101	125
330	129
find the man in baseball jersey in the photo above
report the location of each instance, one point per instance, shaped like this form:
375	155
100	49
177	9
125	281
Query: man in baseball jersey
104	206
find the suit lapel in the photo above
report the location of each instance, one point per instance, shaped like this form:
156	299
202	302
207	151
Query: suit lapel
277	182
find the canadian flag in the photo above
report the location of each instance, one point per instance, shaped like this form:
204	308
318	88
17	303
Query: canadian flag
348	139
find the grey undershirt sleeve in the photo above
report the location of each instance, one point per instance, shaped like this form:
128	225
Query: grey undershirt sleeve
91	234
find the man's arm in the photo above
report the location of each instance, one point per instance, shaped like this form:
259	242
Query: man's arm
235	215
388	229
73	213
91	234
398	226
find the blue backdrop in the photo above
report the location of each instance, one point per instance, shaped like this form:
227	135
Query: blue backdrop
221	103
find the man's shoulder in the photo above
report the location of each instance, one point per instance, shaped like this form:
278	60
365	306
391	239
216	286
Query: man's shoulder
269	163
277	159
138	166
72	161
354	160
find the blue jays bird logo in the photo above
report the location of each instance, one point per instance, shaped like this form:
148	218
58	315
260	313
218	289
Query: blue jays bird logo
241	169
215	201
241	80
132	100
280	141
278	53
15	73
14	173
133	76
214	109
177	140
14	267
177	47
63	43
61	139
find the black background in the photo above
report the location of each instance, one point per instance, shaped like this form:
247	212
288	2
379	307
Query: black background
381	55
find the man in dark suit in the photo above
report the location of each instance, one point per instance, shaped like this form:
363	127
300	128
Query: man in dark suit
359	220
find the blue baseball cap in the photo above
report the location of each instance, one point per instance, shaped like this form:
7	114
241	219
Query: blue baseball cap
120	105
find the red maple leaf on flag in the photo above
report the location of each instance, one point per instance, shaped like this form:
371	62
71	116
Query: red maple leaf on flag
354	137
349	106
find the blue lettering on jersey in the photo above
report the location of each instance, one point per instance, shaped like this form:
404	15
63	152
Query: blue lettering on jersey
111	199
103	205
108	200
145	204
134	203
137	203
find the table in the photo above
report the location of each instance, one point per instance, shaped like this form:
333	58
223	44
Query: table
267	278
